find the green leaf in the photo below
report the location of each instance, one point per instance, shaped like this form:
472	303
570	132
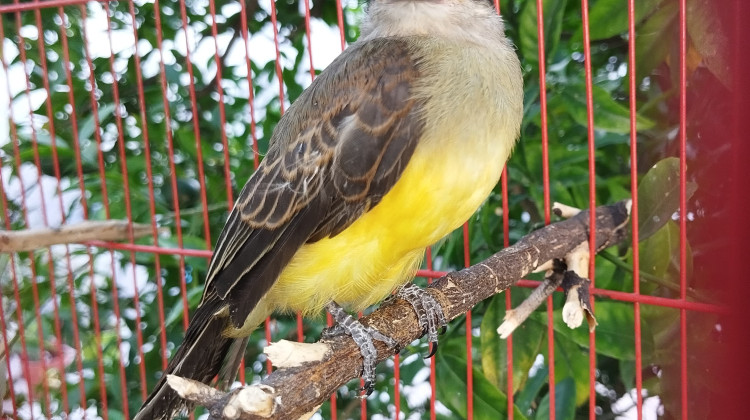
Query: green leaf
709	38
489	402
565	402
614	334
494	363
660	254
535	383
652	39
553	11
572	361
88	125
627	373
175	314
608	18
609	115
527	342
659	196
656	252
611	138
115	414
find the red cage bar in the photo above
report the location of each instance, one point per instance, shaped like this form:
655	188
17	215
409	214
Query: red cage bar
163	148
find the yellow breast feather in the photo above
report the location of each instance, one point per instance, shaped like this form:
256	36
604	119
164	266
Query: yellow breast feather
453	170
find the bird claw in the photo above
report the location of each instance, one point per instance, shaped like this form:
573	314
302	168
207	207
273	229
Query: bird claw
332	331
367	388
429	313
363	336
433	349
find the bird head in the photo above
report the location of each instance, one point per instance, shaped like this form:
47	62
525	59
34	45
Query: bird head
466	20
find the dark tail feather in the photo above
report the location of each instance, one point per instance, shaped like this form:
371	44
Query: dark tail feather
200	357
235	355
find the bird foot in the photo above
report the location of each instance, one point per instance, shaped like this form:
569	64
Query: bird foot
429	313
363	336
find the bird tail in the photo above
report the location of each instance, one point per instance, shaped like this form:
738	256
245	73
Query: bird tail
204	353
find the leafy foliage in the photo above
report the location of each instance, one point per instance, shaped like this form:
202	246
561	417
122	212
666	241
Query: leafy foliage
121	150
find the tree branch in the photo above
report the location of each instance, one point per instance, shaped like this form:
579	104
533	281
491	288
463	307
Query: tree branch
89	230
296	390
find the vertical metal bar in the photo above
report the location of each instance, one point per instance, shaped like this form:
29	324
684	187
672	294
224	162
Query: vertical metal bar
508	302
152	212
592	195
469	360
543	110
224	141
172	167
396	387
280	78
56	168
251	94
128	212
21	330
334	410
340	19
279	73
21	333
551	356
250	102
546	192
222	110
362	401
6	344
433	374
196	120
308	37
149	176
634	210
683	207
79	170
105	203
16	152
329	318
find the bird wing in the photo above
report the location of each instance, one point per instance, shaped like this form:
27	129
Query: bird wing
337	151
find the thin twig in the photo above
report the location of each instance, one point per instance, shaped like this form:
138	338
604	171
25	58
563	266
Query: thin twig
89	230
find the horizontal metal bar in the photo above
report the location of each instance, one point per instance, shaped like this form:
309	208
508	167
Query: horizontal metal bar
25	7
660	301
152	249
621	296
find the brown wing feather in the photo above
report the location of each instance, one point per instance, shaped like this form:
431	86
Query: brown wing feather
334	155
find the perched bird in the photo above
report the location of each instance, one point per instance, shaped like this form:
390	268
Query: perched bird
391	148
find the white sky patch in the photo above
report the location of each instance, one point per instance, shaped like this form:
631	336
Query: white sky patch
326	43
4	101
627	409
37	191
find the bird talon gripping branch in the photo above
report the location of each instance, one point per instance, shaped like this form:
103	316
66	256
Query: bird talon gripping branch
429	313
363	337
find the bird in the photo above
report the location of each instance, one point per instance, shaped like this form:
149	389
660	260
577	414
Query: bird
392	147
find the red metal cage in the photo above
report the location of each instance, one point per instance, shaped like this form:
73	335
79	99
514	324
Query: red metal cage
31	198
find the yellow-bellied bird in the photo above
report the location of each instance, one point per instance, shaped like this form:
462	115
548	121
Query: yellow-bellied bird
391	148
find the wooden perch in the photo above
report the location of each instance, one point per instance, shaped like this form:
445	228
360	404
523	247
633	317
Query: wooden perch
295	392
89	230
